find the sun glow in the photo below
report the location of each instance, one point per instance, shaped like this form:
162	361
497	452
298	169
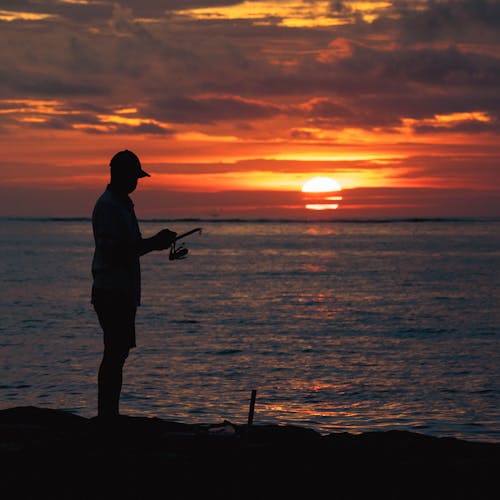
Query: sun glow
316	188
290	13
322	206
321	185
9	16
449	120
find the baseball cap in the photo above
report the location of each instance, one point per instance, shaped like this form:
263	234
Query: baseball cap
128	160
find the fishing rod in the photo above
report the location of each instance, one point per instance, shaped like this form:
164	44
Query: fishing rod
181	252
183	235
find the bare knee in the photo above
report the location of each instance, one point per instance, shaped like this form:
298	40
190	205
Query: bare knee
114	357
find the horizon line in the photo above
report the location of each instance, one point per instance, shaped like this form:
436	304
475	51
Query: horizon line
264	219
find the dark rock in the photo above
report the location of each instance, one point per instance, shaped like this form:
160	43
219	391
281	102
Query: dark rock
54	454
42	417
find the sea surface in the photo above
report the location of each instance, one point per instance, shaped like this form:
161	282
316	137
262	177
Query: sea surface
339	326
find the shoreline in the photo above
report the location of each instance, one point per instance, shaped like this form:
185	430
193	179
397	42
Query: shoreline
51	453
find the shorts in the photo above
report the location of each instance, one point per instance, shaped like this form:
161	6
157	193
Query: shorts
116	312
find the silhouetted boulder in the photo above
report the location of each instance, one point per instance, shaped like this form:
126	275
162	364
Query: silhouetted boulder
55	454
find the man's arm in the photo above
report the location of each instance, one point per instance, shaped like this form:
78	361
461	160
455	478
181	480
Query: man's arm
160	241
113	240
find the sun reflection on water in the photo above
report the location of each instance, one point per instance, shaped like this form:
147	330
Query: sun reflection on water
347	327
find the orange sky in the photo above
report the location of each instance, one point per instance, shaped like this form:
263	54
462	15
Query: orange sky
232	106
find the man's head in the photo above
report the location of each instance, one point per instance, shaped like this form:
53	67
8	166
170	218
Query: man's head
125	170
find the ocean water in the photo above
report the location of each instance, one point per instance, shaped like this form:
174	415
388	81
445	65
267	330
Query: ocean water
340	326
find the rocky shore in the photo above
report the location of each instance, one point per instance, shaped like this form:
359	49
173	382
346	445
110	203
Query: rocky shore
54	454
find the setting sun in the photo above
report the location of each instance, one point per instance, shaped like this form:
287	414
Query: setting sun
317	189
321	185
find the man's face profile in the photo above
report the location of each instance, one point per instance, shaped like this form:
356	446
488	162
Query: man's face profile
124	179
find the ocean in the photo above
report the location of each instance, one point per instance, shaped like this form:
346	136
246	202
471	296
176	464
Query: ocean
340	326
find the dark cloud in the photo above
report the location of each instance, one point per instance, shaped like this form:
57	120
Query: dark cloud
371	71
327	114
66	122
93	108
160	7
104	53
78	12
340	7
378	87
83	58
36	84
467	127
91	124
94	10
421	104
151	128
421	202
89	118
454	167
209	110
450	67
464	20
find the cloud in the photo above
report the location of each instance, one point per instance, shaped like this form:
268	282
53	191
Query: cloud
97	10
74	11
210	110
157	8
32	83
265	85
420	202
51	114
451	21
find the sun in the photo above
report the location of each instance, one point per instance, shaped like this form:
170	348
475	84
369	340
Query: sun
321	185
318	193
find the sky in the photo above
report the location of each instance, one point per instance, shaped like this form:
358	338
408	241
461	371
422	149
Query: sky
232	106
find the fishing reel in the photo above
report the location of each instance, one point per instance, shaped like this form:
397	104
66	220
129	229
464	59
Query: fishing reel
179	253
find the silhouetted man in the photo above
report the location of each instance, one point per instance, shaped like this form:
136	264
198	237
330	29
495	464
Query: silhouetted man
116	290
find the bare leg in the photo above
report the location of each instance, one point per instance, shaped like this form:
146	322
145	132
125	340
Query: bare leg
109	381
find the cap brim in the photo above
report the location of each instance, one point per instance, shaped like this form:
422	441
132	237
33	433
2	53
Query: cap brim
141	173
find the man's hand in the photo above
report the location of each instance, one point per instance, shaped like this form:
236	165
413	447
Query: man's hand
164	239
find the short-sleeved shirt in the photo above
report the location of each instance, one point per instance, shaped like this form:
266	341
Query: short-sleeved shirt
116	266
